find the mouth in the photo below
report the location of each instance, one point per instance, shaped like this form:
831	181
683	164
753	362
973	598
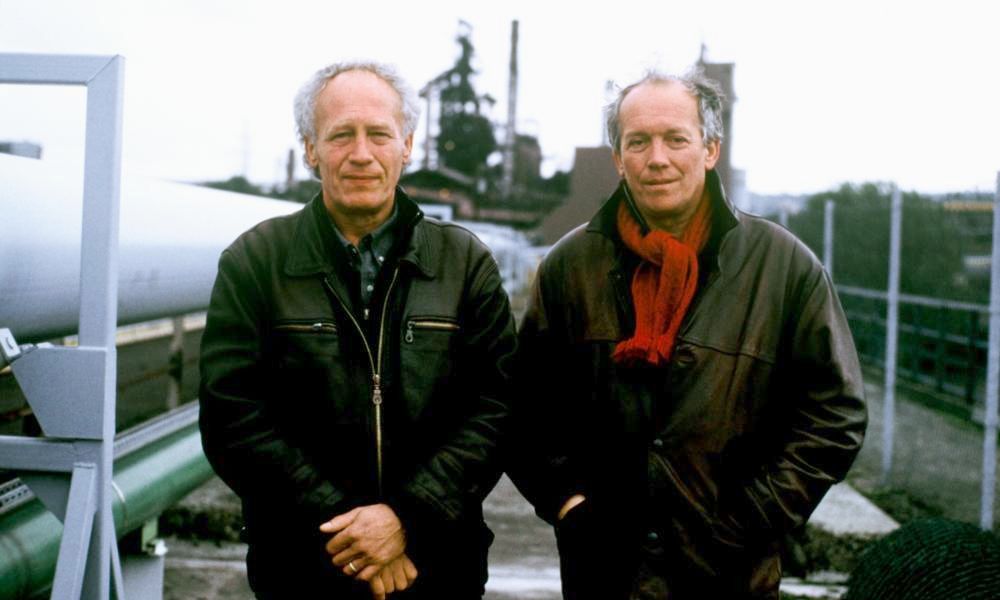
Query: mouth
361	178
653	182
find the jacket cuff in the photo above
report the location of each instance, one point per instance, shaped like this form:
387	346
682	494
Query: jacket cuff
417	520
563	484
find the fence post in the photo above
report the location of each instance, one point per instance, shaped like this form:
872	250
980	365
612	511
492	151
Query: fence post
940	352
175	364
891	335
970	360
828	237
992	375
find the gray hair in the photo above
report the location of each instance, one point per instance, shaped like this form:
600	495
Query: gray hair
305	99
706	91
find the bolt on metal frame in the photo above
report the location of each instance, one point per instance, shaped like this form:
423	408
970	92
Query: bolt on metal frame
72	390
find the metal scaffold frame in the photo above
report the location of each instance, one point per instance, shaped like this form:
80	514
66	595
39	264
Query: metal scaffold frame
893	297
71	390
992	376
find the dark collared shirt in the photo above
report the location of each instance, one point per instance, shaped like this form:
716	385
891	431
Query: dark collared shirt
368	256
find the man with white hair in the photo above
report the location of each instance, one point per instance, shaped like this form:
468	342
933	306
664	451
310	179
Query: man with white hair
354	369
691	388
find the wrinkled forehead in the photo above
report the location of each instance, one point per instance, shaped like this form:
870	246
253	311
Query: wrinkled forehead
357	90
659	95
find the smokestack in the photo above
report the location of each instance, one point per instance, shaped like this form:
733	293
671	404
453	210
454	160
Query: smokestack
290	170
609	94
427	93
511	139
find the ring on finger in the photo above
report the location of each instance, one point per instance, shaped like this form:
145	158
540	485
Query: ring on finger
352	567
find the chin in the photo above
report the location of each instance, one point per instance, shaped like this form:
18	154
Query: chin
663	203
365	204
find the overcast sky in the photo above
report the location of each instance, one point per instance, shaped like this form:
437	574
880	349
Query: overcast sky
827	92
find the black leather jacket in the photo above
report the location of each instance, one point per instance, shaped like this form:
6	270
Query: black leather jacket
308	409
697	469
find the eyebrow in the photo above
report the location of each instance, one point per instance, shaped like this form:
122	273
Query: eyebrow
646	133
351	125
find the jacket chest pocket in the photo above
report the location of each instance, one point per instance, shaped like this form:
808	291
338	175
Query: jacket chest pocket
302	341
427	354
430	331
310	375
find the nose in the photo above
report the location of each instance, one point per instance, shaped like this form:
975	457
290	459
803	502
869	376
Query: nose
361	152
659	154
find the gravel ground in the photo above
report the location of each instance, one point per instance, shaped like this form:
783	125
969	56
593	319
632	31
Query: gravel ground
205	571
937	461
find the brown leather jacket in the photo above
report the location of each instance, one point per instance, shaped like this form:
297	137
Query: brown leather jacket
692	472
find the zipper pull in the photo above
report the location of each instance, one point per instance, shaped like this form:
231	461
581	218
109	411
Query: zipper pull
409	332
377	390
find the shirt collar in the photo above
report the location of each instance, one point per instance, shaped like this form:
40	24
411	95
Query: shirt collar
381	239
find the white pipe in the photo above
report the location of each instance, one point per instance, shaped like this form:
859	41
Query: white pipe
171	235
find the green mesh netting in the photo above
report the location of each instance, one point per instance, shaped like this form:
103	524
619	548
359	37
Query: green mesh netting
934	559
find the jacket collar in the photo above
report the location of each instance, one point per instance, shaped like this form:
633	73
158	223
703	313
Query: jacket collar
725	216
315	248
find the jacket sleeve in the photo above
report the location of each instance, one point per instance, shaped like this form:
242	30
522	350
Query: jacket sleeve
543	431
239	435
825	415
466	466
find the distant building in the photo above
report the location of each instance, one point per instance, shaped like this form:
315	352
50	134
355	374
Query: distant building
736	192
26	149
457	169
774	204
593	179
527	161
723	74
442	186
971	214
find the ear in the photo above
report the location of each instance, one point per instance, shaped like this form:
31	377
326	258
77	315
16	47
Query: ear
619	165
311	157
712	152
407	148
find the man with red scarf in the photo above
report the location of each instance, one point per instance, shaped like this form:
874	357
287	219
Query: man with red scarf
690	388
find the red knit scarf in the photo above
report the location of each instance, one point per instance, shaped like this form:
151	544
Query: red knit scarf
663	284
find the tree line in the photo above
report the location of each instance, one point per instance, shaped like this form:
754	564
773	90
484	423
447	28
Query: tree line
938	235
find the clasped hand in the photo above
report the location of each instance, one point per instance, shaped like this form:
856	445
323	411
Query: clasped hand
368	543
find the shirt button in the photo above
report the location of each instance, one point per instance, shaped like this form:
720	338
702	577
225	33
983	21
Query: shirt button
657	443
652	536
369	287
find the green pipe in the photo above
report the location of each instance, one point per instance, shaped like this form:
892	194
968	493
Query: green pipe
150	479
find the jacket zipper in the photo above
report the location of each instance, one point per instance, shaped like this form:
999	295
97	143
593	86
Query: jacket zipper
439	325
375	360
